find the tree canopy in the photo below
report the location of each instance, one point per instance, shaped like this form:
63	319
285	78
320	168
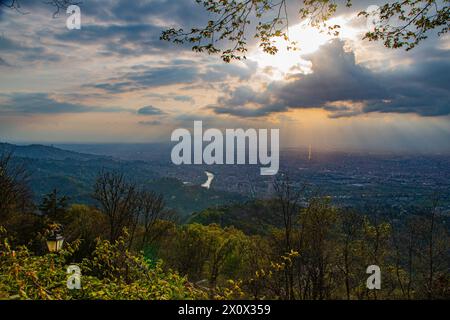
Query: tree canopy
58	5
400	24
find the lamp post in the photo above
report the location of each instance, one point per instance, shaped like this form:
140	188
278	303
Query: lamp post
55	241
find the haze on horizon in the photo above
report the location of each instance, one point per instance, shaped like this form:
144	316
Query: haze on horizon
114	81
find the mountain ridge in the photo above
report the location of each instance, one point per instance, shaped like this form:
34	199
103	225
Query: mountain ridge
40	151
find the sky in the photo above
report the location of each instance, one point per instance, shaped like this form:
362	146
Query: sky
115	81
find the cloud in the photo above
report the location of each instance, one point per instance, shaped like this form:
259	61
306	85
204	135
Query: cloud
150	111
133	28
180	12
183	98
26	53
109	28
42	103
344	88
4	63
218	72
176	72
122	40
171	96
7	44
148	77
150	123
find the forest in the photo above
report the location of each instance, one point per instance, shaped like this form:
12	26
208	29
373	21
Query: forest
130	245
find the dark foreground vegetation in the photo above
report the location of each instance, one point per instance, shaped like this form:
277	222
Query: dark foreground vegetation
130	246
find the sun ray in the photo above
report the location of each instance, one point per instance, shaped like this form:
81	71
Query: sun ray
309	40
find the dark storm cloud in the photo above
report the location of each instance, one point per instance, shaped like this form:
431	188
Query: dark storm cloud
344	88
150	111
42	103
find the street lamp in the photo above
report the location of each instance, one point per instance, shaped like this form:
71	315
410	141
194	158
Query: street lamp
55	241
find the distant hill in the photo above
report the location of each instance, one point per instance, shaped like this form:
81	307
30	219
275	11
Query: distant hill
187	199
73	174
36	151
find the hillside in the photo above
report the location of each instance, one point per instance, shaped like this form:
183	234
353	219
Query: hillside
253	217
73	174
37	151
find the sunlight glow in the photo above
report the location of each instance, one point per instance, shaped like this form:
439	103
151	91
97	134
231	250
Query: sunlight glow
309	39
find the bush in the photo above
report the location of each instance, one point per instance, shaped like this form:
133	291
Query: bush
112	273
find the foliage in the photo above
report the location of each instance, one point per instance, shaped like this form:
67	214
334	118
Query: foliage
205	252
14	192
406	23
309	250
255	217
111	273
53	206
86	224
330	250
58	5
